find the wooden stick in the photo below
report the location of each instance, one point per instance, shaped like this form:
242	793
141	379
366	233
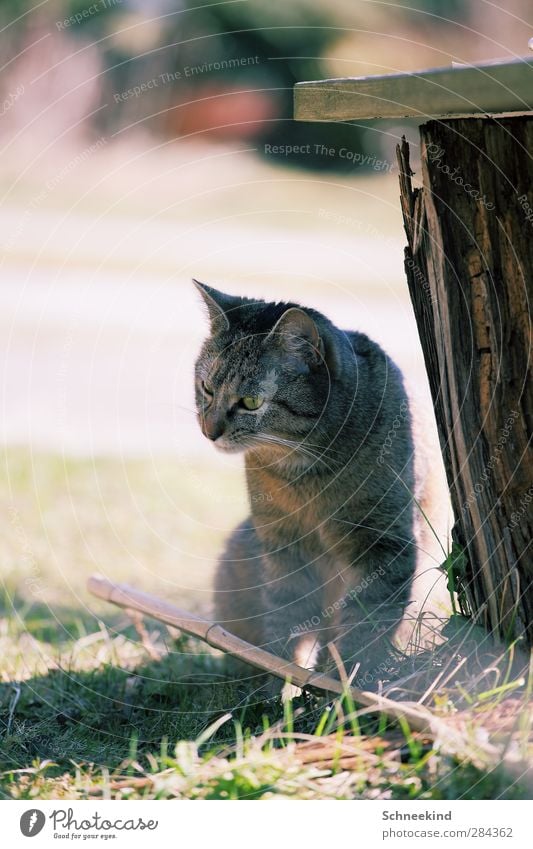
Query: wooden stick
418	717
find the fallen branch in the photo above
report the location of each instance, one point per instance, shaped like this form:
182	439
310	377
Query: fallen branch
419	719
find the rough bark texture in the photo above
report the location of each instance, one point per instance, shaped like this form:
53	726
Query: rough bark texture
469	265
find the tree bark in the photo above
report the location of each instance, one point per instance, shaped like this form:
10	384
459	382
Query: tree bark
469	266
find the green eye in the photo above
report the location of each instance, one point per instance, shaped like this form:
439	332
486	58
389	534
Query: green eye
252	402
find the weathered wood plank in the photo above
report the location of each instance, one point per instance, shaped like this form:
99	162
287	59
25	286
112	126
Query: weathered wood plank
491	88
469	266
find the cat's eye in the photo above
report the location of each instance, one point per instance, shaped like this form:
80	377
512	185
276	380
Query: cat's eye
206	389
252	402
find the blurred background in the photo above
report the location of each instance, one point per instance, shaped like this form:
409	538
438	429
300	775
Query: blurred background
140	147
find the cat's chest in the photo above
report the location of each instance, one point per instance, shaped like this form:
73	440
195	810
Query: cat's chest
265	486
297	508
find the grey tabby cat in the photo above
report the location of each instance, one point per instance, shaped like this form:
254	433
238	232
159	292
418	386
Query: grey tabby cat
329	551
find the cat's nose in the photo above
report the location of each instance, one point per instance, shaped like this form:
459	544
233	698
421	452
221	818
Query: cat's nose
214	427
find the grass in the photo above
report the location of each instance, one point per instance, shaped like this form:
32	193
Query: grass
94	704
106	721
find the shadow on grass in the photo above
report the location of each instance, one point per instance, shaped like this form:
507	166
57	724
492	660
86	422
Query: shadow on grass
101	702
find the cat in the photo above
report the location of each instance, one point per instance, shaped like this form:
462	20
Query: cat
338	501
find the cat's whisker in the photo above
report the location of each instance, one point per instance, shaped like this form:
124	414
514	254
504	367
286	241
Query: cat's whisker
297	443
315	451
325	449
296	447
175	407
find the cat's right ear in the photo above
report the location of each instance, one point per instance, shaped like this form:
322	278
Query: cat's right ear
217	303
297	333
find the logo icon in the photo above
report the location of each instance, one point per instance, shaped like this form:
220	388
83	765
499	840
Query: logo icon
32	822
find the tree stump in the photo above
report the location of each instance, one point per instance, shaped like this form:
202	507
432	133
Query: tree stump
469	266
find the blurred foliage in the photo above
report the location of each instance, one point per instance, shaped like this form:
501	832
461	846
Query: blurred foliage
139	40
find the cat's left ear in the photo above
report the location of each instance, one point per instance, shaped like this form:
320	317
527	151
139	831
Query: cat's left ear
219	306
297	333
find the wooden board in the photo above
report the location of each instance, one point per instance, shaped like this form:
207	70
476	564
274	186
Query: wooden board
491	88
469	266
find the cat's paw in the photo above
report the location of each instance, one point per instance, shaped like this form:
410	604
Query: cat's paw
290	691
274	689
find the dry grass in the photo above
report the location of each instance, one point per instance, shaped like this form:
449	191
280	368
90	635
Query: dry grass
95	704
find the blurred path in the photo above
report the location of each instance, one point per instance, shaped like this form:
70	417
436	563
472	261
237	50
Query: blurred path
99	325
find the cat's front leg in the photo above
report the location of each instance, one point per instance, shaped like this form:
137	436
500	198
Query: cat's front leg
292	620
374	596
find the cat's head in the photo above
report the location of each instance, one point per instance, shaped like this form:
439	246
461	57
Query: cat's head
265	373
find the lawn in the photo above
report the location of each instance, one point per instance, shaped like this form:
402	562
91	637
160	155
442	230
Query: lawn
96	704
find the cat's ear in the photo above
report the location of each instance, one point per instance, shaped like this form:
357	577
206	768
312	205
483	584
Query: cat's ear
297	333
218	306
